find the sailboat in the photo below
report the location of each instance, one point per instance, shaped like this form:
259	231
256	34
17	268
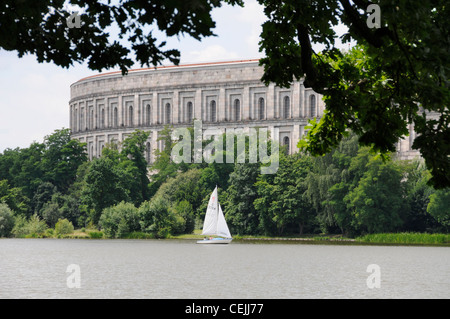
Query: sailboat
215	223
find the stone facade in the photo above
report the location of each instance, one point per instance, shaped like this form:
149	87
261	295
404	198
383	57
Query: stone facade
224	95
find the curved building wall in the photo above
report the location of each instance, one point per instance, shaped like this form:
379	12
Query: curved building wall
225	96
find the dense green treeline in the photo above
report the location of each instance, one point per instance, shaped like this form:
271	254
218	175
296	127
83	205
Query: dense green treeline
51	187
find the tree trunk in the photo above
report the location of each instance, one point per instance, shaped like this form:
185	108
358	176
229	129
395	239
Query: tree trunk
300	228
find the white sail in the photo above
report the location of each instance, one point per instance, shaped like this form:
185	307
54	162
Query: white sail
215	223
210	223
222	227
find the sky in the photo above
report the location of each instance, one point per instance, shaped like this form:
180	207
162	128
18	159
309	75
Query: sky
34	97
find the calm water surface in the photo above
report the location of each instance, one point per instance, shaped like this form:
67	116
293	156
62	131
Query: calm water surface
36	268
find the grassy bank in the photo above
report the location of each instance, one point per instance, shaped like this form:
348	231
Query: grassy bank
382	239
406	238
197	235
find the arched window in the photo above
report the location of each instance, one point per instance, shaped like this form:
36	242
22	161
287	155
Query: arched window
168	112
237	110
91	120
261	108
130	115
190	112
115	117
286	107
148	112
286	143
82	124
213	111
102	118
312	104
75	126
148	153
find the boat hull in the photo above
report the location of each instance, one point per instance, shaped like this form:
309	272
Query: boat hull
215	241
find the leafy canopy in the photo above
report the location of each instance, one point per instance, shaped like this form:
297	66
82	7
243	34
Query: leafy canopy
396	75
40	27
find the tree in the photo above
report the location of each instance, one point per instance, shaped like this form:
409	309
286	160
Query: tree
51	213
119	220
186	212
156	217
14	198
396	75
6	220
45	32
263	203
131	164
329	181
281	199
71	209
43	195
417	194
439	207
239	210
61	159
186	186
376	202
7	160
104	186
63	227
26	172
133	148
33	226
40	170
163	167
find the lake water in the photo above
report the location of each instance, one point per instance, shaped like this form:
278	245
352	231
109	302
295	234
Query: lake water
40	268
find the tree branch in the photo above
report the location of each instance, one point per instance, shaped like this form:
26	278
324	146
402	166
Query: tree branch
306	57
359	26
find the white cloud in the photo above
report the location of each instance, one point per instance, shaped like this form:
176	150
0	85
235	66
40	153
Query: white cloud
210	53
237	35
252	13
34	99
34	81
252	17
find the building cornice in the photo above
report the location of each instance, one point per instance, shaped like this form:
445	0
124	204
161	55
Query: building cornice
170	68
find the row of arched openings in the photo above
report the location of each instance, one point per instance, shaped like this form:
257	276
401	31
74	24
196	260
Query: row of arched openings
212	114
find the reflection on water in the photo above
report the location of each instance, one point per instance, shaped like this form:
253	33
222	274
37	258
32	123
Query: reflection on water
37	268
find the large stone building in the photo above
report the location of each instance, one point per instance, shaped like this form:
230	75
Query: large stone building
223	95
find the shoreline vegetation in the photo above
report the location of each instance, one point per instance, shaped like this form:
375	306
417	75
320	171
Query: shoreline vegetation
396	239
51	190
